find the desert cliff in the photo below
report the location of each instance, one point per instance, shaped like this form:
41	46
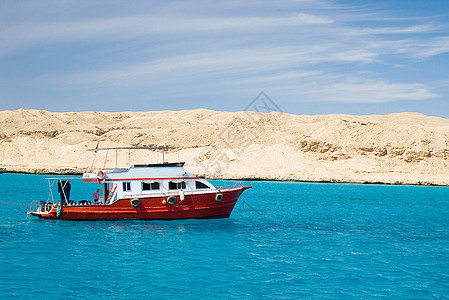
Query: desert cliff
404	148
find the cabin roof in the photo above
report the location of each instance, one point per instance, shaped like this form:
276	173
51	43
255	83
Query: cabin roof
163	165
132	148
147	171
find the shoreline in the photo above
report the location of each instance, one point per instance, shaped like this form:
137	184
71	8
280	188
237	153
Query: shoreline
249	179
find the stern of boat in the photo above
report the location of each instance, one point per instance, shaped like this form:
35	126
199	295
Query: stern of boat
40	209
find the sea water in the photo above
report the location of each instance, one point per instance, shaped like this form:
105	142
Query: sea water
283	240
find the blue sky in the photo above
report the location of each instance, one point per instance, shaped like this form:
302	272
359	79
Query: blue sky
309	56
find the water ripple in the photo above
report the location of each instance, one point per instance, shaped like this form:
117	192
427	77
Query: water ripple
330	241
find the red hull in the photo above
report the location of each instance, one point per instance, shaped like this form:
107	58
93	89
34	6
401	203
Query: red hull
194	206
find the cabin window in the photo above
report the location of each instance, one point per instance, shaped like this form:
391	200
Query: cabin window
150	186
200	185
126	186
176	185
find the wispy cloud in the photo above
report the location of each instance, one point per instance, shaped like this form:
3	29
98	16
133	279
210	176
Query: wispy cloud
319	50
242	62
422	28
148	25
432	47
370	91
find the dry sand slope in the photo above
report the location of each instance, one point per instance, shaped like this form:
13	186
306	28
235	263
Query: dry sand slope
406	148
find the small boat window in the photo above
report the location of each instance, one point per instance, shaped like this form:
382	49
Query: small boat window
176	185
200	185
149	186
126	186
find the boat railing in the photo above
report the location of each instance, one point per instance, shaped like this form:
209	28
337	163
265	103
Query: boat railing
109	170
238	184
34	205
41	206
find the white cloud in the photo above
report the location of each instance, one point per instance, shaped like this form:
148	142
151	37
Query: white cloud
242	62
376	92
313	19
140	26
422	28
434	46
324	88
310	48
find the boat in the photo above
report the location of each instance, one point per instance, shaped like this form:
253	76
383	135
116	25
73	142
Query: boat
155	191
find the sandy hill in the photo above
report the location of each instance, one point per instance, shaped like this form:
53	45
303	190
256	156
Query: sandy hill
407	148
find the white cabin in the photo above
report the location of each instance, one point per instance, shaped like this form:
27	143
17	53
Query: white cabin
151	180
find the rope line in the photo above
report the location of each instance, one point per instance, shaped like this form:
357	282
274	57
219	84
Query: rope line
251	207
14	203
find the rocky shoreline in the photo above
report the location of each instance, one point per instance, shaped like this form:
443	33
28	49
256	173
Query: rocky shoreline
76	172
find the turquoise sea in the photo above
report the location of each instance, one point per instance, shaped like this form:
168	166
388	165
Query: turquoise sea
306	241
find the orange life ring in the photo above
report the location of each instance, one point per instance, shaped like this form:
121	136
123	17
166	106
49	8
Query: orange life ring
101	176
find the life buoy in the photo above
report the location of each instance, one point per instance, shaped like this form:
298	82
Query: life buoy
135	202
101	176
171	200
218	197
